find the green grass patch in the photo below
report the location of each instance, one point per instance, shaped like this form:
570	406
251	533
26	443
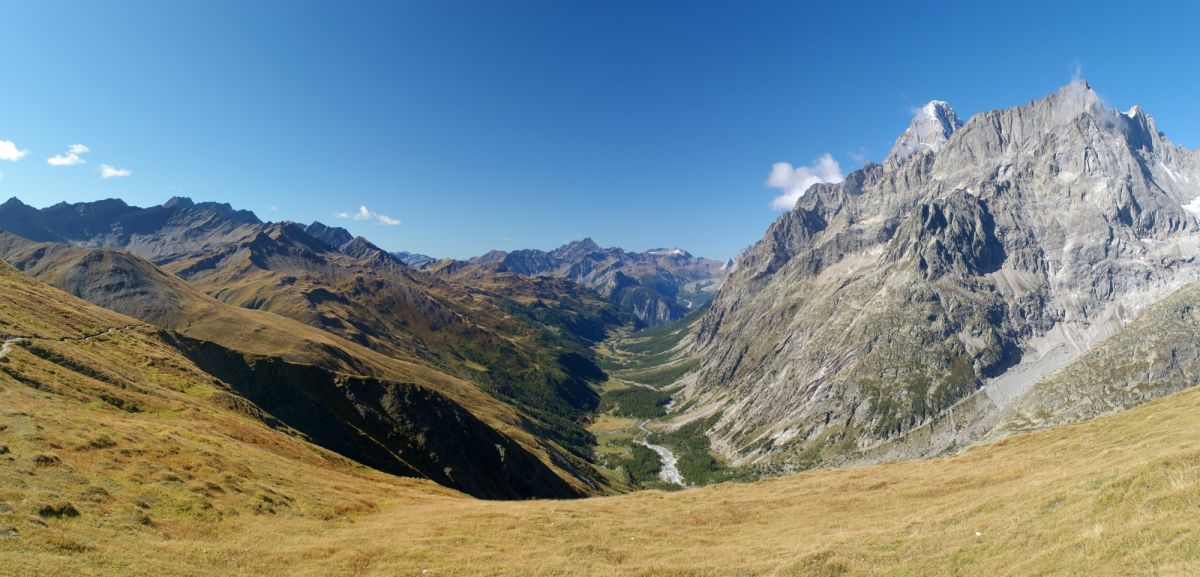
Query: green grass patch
635	402
664	376
650	347
642	469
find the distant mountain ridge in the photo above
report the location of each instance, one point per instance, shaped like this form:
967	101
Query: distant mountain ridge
287	369
109	222
657	286
414	259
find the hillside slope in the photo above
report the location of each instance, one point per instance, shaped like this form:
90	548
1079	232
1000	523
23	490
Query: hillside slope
102	424
397	416
1157	354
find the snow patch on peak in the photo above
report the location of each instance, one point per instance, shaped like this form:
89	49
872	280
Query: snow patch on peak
938	114
931	126
668	252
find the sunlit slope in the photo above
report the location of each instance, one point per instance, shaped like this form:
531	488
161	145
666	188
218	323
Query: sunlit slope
526	342
1113	496
120	457
398	416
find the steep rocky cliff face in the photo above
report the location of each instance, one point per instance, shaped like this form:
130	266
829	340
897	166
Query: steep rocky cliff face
897	313
1155	355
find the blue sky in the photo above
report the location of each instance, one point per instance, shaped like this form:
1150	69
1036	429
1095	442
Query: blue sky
468	126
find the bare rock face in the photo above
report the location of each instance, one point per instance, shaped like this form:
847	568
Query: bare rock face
1155	355
897	314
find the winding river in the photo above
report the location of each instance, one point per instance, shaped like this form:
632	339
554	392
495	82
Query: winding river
669	472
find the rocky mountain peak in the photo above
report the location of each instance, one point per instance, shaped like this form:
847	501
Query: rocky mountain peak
586	244
179	202
1078	98
13	203
414	259
1075	98
226	211
675	252
334	236
576	249
931	126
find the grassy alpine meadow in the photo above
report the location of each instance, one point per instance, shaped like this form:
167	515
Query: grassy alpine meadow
154	493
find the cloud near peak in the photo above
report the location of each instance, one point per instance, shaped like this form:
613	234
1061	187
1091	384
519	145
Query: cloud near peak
364	214
71	158
10	152
794	181
110	171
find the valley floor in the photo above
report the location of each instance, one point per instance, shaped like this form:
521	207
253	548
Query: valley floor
1113	496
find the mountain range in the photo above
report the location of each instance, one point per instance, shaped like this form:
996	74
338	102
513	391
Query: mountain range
657	286
911	308
121	455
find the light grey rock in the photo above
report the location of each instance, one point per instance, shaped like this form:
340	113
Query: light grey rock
1155	355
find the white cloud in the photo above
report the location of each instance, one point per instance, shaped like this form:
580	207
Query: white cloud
794	181
10	152
71	158
109	171
366	215
1194	206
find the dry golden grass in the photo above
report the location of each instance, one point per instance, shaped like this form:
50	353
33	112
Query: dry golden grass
1115	496
108	438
